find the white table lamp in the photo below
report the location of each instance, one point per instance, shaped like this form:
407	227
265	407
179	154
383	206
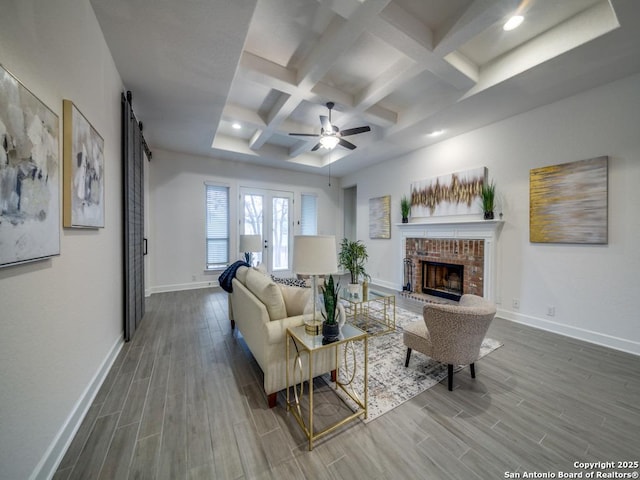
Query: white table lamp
314	255
250	244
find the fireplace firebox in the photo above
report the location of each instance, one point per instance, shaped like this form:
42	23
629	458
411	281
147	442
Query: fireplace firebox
443	280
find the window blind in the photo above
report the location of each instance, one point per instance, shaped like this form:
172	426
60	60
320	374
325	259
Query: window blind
309	215
217	226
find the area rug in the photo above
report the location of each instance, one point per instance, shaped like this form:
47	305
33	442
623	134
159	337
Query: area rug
390	383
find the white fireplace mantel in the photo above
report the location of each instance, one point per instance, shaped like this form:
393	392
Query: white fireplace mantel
487	230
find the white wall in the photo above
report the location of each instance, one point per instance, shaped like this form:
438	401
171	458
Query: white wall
177	230
592	287
61	319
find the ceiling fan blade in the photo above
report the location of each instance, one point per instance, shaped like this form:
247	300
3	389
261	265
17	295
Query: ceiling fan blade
316	147
326	124
346	144
354	131
304	134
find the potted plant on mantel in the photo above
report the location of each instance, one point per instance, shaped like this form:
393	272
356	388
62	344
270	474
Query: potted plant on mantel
488	199
352	257
405	208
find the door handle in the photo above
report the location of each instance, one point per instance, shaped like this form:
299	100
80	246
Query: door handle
145	248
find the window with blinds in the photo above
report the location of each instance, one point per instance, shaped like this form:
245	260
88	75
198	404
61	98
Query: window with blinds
309	215
217	226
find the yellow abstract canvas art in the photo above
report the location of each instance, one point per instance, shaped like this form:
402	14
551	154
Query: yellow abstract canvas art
568	202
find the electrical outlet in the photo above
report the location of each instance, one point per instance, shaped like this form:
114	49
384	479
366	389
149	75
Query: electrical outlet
515	303
551	310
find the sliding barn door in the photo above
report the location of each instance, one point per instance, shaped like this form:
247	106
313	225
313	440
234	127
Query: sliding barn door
134	242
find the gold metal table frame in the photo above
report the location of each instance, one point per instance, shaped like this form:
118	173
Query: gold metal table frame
309	345
377	308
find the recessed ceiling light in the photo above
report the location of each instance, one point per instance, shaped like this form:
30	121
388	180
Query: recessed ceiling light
236	126
435	133
513	22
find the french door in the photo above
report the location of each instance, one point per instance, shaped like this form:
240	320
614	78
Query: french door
269	213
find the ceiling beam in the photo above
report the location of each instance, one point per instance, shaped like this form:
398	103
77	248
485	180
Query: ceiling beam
396	75
477	18
340	35
264	72
398	29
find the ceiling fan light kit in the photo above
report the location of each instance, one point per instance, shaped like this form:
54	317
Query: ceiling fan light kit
329	141
330	135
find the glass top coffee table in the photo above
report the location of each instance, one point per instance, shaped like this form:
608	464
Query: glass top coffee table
375	314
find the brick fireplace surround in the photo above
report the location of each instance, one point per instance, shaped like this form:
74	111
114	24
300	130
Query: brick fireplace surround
471	243
469	253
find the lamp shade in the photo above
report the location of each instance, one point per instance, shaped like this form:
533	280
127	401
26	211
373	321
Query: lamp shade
315	254
250	243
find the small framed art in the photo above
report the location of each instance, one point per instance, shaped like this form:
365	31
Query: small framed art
83	177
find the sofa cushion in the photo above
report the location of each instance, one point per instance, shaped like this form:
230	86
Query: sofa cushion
267	292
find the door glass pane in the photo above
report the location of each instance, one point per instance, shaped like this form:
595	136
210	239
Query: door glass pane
280	236
253	216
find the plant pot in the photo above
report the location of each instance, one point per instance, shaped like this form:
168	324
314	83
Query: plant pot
330	333
354	290
405	219
488	215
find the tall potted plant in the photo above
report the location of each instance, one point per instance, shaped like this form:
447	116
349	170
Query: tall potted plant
330	326
488	199
405	208
352	257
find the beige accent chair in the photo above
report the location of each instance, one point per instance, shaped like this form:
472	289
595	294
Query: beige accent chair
451	334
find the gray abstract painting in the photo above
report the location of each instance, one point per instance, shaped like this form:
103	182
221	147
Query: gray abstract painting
83	179
29	181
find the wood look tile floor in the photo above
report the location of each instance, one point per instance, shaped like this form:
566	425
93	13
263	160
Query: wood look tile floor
184	400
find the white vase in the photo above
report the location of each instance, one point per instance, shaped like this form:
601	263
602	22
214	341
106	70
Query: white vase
342	316
354	290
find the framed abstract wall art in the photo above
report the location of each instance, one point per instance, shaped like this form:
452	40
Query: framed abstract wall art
380	217
568	202
452	194
29	175
83	180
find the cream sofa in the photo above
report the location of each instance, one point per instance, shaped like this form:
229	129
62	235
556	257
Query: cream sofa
263	310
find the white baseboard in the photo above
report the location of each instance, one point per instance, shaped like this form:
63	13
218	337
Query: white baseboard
47	466
385	284
184	286
590	336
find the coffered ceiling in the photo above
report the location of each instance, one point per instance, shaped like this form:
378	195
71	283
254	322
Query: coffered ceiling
406	68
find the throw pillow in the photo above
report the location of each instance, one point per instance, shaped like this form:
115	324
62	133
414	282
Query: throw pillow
291	282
